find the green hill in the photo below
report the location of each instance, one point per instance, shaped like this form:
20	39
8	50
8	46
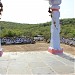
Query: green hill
10	29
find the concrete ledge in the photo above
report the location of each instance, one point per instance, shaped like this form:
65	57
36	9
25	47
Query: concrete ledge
73	56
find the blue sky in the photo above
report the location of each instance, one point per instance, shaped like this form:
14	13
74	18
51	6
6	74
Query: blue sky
67	9
34	11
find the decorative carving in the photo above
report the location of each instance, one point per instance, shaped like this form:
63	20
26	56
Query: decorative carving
50	11
1	8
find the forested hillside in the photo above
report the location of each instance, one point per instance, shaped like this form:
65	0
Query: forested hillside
10	29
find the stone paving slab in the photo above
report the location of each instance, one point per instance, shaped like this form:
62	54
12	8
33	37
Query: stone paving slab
36	63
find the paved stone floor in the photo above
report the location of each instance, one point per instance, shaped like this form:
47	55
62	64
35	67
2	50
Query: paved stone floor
36	63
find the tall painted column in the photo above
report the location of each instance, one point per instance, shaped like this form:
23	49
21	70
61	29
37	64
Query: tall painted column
55	27
1	9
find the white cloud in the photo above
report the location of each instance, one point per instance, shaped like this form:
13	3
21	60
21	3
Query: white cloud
26	11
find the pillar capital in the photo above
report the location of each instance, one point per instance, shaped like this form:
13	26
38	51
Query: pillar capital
55	2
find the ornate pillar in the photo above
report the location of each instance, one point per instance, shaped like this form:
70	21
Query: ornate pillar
55	27
1	9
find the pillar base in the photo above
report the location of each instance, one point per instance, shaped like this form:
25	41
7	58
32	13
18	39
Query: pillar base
53	51
1	52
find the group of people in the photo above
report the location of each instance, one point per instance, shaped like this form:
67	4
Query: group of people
17	40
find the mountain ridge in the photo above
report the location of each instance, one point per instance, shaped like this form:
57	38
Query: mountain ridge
11	29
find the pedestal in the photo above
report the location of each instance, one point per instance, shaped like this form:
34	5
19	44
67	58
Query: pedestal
1	52
54	51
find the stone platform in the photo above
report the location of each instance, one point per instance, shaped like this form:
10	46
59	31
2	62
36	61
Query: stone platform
36	63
